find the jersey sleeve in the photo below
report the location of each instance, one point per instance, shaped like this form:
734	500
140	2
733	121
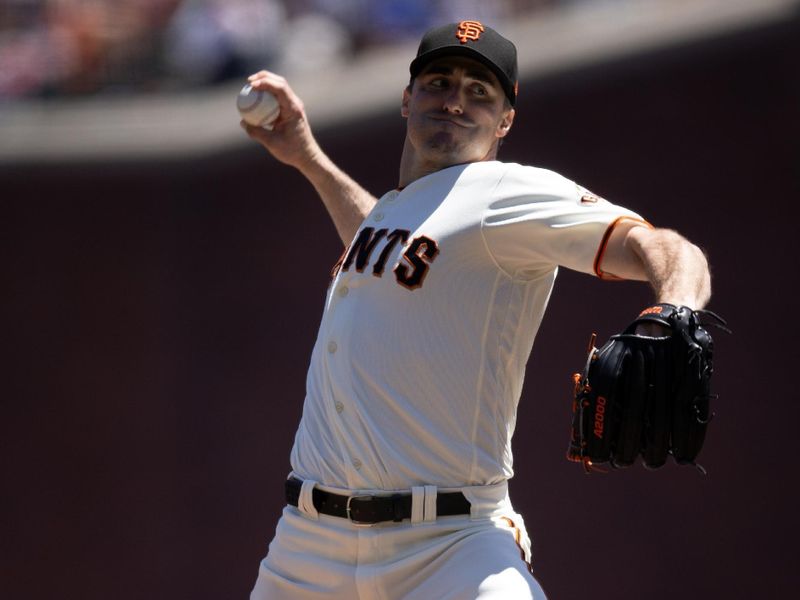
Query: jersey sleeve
537	220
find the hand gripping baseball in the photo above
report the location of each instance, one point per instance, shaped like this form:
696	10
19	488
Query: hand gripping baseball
290	140
647	396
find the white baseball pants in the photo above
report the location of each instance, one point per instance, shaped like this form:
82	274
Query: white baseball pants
481	556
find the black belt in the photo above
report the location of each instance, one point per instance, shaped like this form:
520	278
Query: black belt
374	509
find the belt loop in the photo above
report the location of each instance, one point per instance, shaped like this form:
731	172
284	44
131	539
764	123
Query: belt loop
417	504
306	501
430	503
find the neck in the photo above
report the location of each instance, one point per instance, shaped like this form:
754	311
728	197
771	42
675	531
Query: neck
413	166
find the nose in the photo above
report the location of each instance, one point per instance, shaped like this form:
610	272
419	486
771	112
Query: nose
453	102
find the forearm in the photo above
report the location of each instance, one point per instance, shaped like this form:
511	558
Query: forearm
290	141
676	268
346	201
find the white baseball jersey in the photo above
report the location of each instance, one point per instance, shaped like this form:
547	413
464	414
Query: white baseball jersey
429	321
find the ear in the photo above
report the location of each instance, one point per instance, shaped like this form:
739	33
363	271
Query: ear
504	126
404	104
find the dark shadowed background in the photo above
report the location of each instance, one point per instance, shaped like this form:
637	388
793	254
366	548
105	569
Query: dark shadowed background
158	316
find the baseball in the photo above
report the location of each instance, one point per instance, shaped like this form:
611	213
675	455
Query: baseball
257	107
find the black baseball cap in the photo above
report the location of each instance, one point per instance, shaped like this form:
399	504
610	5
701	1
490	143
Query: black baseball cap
474	40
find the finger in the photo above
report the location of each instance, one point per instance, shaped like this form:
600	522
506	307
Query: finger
290	104
257	75
658	417
257	133
632	393
652	329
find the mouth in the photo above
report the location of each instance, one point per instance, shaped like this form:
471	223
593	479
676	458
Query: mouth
449	119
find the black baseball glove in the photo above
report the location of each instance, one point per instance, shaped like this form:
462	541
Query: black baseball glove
647	396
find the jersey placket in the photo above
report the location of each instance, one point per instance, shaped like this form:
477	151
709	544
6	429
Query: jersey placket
338	360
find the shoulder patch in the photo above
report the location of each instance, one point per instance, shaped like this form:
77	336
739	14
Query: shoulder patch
587	197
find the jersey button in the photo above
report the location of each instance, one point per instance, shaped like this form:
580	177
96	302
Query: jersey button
339	407
332	347
356	464
378	217
343	291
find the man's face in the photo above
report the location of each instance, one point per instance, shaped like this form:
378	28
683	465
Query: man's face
456	112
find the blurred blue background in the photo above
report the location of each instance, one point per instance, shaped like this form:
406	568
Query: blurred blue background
79	47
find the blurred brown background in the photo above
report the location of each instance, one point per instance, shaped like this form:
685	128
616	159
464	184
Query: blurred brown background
158	315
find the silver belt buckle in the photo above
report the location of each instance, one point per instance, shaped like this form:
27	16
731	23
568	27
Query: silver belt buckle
350	517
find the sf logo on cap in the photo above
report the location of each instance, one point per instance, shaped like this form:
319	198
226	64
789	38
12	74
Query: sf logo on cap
469	30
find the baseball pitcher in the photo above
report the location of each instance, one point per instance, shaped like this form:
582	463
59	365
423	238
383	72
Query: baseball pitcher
399	470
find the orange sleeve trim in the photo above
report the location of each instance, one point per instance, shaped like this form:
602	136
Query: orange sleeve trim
601	251
336	268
